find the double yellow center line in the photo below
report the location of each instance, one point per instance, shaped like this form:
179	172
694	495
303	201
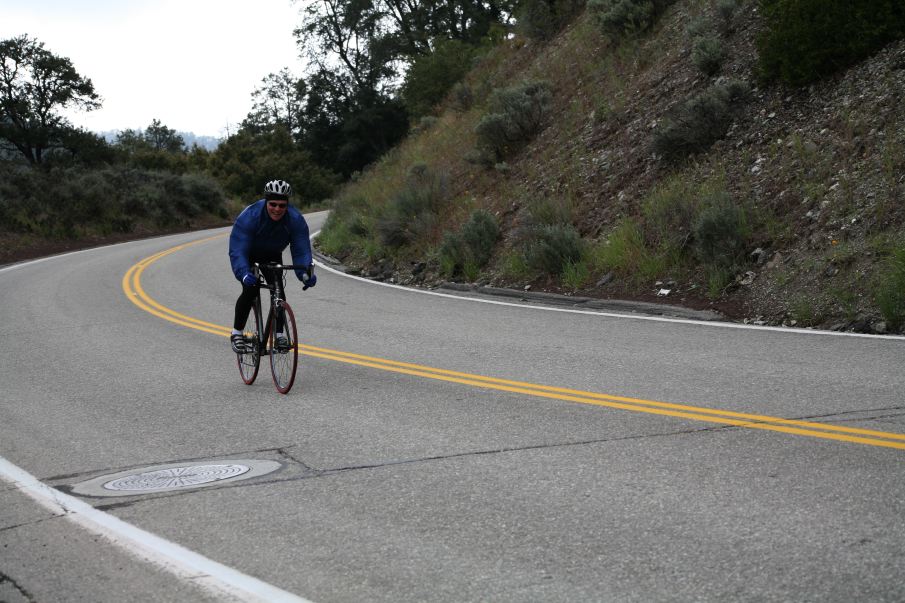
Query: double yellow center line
132	287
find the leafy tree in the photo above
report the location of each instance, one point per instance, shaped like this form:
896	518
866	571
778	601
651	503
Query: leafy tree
155	148
279	102
358	50
35	85
131	142
431	76
349	36
162	138
85	147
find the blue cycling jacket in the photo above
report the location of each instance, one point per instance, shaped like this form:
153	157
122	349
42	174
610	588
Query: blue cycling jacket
256	235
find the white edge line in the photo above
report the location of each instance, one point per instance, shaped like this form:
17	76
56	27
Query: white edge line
192	568
687	321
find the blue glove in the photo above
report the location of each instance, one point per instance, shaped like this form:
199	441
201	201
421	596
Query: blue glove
308	278
249	280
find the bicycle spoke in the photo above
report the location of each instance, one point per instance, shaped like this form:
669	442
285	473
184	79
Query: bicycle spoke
283	348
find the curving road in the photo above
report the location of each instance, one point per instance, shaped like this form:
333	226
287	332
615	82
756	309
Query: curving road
434	448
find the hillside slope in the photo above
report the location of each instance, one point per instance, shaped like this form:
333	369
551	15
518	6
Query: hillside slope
818	171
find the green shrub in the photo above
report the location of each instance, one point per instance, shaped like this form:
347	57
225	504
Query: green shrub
805	40
707	54
452	254
547	212
889	289
721	233
669	213
725	11
412	213
696	124
469	250
552	248
626	18
480	235
515	116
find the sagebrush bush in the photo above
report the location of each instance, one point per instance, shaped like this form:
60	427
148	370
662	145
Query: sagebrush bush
515	116
553	247
547	212
695	125
889	289
480	234
721	233
707	54
469	250
669	213
452	254
626	18
411	214
725	11
805	40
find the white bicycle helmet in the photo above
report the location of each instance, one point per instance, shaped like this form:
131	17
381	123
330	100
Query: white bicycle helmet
277	187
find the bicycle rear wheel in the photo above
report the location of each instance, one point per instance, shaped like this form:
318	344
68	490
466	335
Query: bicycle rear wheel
283	358
254	334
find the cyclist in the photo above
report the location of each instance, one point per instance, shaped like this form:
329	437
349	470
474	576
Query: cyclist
260	234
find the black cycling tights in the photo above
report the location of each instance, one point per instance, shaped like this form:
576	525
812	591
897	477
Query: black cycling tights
247	299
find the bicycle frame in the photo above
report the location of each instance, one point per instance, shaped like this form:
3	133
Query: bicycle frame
277	337
277	297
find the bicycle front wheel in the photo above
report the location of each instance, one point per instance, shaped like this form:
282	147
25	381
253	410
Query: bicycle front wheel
284	350
254	335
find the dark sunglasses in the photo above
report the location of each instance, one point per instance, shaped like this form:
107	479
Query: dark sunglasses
277	205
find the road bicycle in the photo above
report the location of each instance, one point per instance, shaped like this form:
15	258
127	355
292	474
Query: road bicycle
276	338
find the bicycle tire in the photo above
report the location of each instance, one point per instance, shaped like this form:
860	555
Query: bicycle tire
284	362
250	362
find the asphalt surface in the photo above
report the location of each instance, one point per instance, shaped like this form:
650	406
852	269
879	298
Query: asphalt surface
405	483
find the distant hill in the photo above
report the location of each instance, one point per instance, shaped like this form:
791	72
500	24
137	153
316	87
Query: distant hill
206	142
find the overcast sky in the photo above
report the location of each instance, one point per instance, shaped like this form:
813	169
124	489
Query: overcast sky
192	64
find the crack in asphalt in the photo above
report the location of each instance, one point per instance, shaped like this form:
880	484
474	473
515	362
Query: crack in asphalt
526	448
5	578
843	413
311	472
32	523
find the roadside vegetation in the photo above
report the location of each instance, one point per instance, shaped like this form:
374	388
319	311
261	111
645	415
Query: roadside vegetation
624	148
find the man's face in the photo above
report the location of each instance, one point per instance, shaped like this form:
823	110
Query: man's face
276	208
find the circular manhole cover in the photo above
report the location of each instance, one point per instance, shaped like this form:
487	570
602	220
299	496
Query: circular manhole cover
175	476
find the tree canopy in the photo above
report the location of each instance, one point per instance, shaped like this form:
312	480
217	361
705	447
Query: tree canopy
35	85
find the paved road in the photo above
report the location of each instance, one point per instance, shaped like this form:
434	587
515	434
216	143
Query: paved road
436	448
